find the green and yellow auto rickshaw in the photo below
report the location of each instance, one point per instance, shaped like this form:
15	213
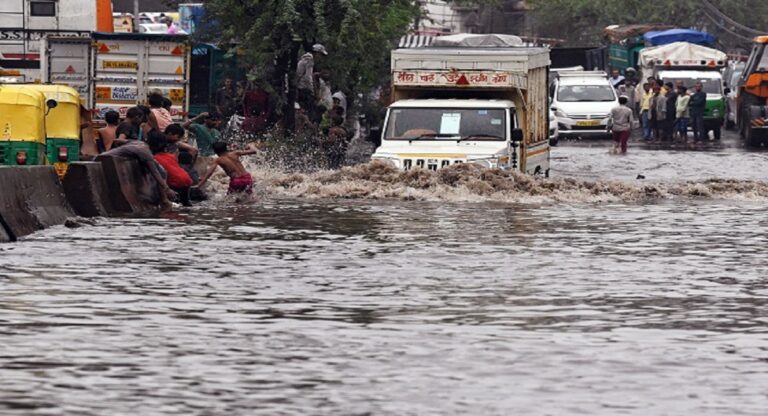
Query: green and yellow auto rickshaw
62	125
22	125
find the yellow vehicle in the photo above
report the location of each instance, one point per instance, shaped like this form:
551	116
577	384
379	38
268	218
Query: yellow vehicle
22	125
62	125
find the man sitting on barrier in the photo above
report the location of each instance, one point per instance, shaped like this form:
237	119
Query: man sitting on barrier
139	151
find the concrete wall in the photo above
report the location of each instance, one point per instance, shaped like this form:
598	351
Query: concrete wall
31	198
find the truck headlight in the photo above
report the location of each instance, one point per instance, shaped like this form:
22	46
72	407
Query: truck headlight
716	112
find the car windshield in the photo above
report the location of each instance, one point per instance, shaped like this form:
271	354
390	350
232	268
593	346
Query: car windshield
446	123
711	85
585	93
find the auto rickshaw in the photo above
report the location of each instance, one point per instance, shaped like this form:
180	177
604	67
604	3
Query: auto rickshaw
62	125
22	125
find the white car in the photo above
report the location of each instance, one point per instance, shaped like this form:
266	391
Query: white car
582	102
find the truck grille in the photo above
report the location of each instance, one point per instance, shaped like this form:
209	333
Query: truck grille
430	164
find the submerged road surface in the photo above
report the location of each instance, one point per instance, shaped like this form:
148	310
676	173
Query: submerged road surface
317	306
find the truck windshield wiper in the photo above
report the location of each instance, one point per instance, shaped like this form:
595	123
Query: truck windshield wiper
480	136
430	136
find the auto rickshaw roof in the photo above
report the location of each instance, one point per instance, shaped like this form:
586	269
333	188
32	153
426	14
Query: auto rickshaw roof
19	94
58	92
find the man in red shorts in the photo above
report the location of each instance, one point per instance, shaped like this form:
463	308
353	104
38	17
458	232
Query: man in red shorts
240	181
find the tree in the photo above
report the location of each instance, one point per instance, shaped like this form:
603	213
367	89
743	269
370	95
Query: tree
582	21
272	34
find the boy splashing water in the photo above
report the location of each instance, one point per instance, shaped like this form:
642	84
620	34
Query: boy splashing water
240	180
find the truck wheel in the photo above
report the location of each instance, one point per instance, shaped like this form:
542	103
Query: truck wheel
751	138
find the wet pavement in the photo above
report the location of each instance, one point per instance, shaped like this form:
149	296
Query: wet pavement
411	304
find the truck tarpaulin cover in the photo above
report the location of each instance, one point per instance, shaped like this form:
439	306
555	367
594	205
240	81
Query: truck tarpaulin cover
466	40
679	35
679	51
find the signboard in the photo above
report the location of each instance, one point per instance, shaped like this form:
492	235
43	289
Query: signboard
470	79
116	95
176	95
119	64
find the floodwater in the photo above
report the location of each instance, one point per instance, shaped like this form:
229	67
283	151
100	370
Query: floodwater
593	293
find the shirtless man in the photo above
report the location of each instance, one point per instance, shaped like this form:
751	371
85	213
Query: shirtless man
240	180
107	135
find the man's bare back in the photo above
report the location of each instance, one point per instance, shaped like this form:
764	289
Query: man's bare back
107	136
231	164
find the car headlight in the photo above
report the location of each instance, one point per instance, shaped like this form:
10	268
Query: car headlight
560	113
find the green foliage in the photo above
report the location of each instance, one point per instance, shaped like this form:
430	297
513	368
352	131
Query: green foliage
582	21
358	35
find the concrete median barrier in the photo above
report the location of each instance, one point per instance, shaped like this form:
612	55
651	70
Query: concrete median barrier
86	189
31	199
129	188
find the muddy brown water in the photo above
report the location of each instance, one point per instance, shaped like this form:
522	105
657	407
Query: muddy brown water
438	300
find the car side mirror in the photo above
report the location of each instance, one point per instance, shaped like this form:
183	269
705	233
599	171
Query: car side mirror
517	135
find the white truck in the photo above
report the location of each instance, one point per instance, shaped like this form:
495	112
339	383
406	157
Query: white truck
469	99
115	71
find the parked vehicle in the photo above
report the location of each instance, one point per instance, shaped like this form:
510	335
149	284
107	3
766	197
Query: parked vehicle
582	102
753	96
731	76
468	99
115	71
22	125
554	135
62	125
690	64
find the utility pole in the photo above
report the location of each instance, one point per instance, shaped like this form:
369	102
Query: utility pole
136	16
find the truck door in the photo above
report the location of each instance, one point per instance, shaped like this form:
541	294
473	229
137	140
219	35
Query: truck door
166	68
67	60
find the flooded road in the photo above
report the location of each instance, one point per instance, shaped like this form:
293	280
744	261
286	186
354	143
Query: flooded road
407	305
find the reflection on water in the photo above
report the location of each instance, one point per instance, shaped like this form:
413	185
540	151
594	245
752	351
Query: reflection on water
392	308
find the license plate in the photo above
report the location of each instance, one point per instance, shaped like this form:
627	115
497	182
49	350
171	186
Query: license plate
588	123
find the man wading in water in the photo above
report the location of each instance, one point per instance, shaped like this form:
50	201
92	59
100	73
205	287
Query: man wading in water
240	180
621	121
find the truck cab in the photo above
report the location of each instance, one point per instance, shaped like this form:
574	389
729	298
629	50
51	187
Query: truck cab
752	99
436	133
478	99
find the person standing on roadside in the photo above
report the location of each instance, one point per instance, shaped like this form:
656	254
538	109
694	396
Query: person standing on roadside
305	80
697	105
659	108
645	111
615	78
669	123
621	123
682	112
226	99
159	117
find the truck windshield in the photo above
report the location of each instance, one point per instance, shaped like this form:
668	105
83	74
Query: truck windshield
585	93
711	85
445	123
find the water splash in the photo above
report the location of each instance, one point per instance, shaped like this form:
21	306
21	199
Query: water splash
472	183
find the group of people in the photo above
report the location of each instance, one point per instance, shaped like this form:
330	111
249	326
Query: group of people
665	110
319	112
149	135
